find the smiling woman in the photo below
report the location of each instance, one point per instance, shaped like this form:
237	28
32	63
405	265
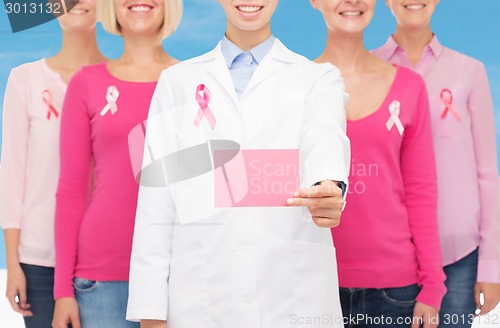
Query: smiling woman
104	102
199	265
464	138
172	13
250	18
396	272
31	117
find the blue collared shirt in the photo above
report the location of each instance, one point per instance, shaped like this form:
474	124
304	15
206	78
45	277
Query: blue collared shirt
242	64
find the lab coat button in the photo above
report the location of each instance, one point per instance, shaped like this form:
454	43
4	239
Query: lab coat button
248	299
244	250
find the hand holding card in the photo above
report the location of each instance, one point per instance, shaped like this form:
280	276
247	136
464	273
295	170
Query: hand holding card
324	201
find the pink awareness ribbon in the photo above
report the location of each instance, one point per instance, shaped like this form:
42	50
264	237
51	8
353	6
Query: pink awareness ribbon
203	99
447	98
111	97
395	110
48	99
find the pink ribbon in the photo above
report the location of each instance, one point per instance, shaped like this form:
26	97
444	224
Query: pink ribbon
203	99
447	98
111	97
48	100
395	111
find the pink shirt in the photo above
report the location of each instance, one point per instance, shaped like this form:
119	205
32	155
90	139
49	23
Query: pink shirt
389	233
94	237
466	158
30	159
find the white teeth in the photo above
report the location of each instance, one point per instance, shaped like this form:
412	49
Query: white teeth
249	9
77	11
414	7
351	13
140	9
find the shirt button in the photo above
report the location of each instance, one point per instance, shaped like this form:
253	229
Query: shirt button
248	299
248	58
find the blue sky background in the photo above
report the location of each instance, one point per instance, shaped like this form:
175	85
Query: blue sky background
471	27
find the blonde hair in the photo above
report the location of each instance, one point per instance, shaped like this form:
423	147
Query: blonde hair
107	16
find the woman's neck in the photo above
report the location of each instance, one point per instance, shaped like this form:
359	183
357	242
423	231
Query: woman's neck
247	40
78	49
143	59
142	50
346	51
413	41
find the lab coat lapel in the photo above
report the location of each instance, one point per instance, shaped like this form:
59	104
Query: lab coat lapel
220	72
269	65
265	70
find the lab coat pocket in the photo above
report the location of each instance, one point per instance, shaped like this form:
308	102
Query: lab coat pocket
188	291
316	283
194	199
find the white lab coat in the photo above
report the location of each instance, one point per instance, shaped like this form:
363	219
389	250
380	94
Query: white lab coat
270	267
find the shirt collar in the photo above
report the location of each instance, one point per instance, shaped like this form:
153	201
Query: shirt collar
231	51
435	46
391	47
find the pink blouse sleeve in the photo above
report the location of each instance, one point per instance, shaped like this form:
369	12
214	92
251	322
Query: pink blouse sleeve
480	105
14	155
419	177
74	182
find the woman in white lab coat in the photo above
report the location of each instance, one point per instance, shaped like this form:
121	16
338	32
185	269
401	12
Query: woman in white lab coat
198	265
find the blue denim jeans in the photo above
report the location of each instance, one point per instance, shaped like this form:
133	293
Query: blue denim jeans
102	304
380	308
40	292
458	306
